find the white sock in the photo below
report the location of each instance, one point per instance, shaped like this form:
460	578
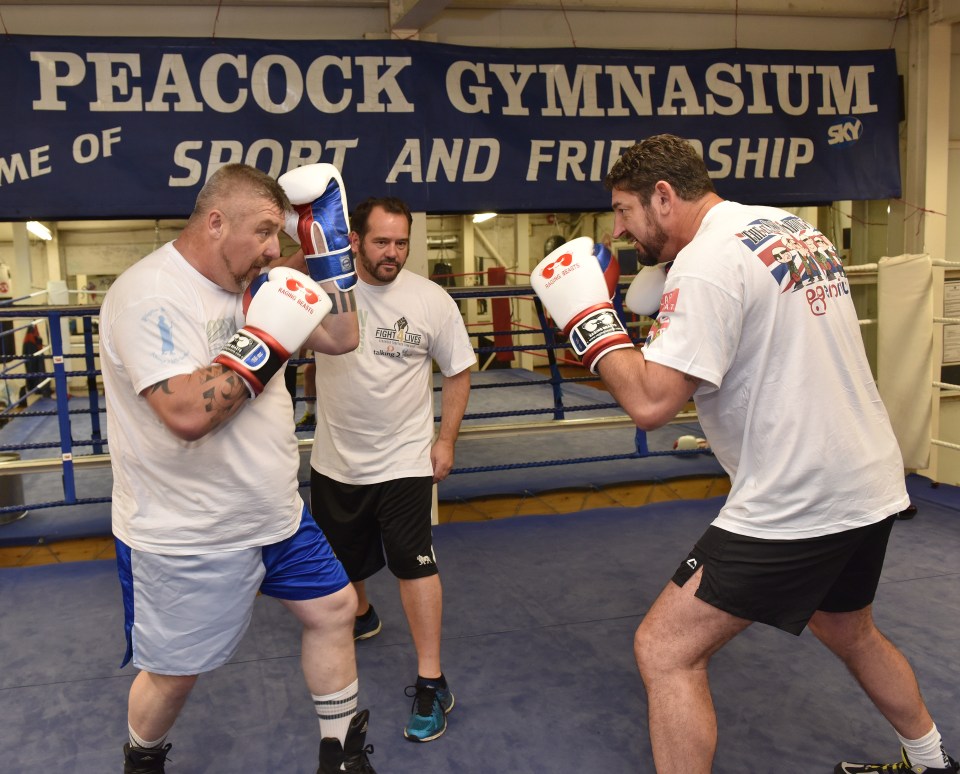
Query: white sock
310	406
136	741
927	750
336	711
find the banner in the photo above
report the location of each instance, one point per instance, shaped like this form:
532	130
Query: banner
132	127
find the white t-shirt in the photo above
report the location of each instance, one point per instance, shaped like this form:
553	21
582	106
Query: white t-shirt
234	488
375	405
758	307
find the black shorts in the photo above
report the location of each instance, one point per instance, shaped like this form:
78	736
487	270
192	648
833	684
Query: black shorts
370	526
784	582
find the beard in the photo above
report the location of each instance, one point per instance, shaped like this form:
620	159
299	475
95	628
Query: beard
382	271
650	250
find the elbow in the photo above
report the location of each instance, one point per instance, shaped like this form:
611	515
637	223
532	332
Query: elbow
345	344
187	431
183	424
649	417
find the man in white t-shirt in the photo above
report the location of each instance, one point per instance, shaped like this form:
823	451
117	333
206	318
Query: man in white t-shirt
375	459
752	324
206	509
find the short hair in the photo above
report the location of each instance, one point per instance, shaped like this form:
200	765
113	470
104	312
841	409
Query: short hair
660	157
233	181
361	212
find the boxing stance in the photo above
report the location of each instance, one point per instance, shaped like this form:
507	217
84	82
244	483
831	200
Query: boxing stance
206	509
801	538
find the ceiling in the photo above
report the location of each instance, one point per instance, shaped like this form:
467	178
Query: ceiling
426	9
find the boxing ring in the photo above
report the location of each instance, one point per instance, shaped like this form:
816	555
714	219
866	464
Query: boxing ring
55	480
528	428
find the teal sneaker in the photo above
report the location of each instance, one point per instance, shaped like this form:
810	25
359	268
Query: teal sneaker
445	697
428	716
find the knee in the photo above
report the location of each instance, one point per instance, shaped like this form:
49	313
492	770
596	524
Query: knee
648	650
343	606
333	613
173	688
844	633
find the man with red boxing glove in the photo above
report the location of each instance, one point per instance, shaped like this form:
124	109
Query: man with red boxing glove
206	507
801	538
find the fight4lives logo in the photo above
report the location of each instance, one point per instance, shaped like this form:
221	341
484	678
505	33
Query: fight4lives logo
395	341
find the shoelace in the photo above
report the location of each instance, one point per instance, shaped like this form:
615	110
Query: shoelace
358	761
423	698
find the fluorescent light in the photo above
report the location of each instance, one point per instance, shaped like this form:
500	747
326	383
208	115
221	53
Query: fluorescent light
39	230
482	216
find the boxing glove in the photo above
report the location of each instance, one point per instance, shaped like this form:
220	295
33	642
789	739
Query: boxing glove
320	223
574	291
646	290
610	267
248	294
280	317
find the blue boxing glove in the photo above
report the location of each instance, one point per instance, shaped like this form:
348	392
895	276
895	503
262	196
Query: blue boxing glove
320	223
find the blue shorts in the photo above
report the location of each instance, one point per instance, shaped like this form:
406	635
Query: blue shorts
185	615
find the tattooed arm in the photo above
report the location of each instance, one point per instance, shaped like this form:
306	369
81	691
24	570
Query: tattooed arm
192	405
339	331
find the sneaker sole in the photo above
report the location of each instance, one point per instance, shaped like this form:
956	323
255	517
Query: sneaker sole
425	738
368	635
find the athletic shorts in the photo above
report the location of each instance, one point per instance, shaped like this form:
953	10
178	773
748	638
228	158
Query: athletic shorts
375	525
185	615
784	582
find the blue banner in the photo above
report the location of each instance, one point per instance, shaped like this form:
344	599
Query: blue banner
132	127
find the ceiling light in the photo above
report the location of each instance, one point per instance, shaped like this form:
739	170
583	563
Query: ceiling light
39	230
482	216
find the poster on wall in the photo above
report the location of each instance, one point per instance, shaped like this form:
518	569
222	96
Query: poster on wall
132	127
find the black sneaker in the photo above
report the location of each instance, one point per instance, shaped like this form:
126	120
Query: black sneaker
900	767
352	754
367	625
907	513
144	760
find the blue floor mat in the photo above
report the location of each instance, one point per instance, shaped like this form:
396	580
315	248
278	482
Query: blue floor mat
539	614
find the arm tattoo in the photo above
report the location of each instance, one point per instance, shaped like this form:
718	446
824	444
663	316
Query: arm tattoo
221	400
343	301
162	386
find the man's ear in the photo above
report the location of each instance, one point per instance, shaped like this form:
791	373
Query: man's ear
663	196
215	223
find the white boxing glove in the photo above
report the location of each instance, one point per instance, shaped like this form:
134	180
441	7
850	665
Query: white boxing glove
610	267
574	291
281	315
320	223
646	290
